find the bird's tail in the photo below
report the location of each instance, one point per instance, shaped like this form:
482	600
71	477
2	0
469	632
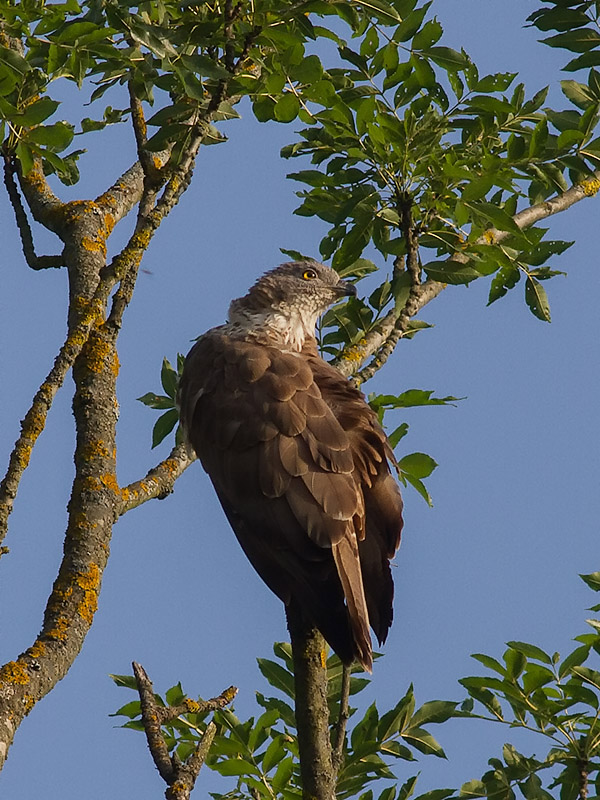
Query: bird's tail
345	554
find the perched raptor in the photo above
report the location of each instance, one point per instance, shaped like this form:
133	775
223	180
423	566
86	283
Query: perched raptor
297	457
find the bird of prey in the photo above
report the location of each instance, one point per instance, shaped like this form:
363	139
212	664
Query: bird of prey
297	458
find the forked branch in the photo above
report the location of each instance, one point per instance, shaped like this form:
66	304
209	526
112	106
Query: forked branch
179	776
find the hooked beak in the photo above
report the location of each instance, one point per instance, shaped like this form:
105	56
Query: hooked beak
346	289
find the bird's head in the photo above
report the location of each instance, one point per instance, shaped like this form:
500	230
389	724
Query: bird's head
286	301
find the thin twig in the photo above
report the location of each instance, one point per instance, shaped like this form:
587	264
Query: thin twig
152	174
156	743
33	261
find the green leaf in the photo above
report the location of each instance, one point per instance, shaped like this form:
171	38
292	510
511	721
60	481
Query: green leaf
384	10
447	58
538	140
435	794
156	400
57	137
452	272
490	663
592	579
397	750
505	279
411	24
163	426
128	681
131	710
14	61
397	434
406	789
574	659
419	465
277	676
590	676
423	741
174	695
537	299
168	378
37	112
579	40
433	711
357	269
396	719
531	651
474	788
25	156
205	66
577	93
235	766
287	107
273	754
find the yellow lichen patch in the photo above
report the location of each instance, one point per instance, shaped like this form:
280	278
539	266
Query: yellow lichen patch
33	425
323	655
109	223
89	581
28	703
80	523
107	200
590	186
489	236
90	311
110	482
37	650
191	705
59	631
23	454
355	354
96	245
14	672
97	351
156	162
141	239
95	448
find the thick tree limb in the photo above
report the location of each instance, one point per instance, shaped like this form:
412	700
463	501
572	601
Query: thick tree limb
312	711
179	777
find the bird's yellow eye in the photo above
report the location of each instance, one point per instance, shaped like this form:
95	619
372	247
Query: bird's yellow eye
309	274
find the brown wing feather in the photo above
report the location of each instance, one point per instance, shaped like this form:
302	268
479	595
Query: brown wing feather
299	463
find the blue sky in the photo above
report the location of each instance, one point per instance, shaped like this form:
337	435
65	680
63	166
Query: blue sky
516	502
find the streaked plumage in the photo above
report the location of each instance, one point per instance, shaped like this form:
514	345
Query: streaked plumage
297	457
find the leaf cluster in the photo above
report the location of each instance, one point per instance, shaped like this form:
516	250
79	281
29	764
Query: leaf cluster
261	753
406	123
557	698
169	378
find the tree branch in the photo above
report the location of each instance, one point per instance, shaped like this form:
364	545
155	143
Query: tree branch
351	358
179	777
382	340
158	482
33	261
312	711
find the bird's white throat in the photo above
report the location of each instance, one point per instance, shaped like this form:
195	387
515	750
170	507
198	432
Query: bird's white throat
290	328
